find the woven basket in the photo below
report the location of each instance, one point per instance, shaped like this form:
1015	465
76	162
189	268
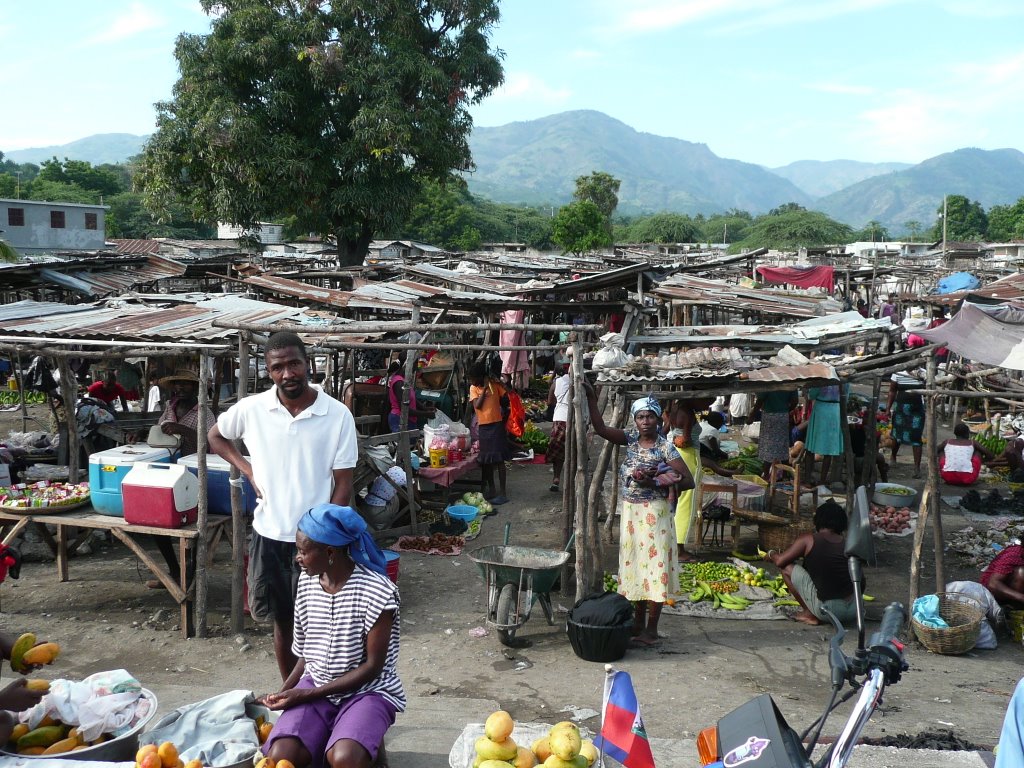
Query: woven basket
963	614
779	537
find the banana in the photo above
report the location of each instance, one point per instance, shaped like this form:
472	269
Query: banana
716	600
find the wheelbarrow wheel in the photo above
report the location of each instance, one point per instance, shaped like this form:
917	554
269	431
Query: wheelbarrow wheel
506	614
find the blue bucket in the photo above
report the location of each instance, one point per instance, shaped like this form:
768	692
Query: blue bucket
465	512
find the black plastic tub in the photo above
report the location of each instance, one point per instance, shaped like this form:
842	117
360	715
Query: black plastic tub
602	644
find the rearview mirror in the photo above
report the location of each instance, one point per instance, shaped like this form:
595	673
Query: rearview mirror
859	543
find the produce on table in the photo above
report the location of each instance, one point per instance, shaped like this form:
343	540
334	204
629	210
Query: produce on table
889	519
476	499
533	437
897	490
44	494
166	756
718	582
8	397
992	442
746	462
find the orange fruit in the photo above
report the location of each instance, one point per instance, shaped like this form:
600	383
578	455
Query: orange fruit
150	760
194	764
168	755
264	731
146	749
284	764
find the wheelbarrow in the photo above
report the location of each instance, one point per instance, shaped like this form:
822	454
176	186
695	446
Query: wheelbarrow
516	577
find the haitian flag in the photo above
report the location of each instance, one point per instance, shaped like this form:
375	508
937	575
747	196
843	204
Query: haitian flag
622	730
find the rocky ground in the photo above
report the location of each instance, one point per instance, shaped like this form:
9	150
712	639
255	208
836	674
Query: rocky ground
105	617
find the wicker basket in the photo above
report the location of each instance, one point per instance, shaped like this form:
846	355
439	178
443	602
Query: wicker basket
963	614
779	537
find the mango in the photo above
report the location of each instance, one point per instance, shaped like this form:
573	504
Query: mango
18	731
43	737
62	746
495	764
21	645
589	751
35	684
32	751
168	754
554	761
265	762
195	763
525	758
541	748
498	726
44	653
100	739
285	764
565	742
496	750
263	732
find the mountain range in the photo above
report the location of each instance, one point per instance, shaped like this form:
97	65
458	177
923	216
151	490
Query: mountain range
536	162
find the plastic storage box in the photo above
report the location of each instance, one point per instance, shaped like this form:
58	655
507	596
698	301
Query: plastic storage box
218	489
160	495
108	468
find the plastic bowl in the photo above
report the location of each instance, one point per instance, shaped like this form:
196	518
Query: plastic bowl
121	749
886	499
465	512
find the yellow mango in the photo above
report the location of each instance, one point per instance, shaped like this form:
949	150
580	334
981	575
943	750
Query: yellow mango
495	764
35	684
62	746
525	758
41	654
18	731
32	751
565	742
496	750
499	726
554	761
21	645
541	748
589	751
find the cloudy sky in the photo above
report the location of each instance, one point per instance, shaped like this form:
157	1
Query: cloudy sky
764	81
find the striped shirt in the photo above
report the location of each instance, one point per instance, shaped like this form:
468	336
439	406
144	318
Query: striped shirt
331	631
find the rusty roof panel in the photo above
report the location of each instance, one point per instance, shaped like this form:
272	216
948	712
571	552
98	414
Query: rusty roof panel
783	373
329	296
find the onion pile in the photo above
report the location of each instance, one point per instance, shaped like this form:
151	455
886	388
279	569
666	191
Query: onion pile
889	519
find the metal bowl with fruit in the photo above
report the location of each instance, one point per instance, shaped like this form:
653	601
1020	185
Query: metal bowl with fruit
894	495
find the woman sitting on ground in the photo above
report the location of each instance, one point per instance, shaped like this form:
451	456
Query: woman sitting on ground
960	457
344	692
823	579
1004	577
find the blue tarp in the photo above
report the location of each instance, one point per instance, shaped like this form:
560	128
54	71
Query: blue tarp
958	281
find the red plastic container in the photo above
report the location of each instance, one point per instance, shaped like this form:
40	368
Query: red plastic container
391	566
160	495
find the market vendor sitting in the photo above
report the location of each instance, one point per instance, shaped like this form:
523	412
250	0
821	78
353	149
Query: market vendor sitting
960	457
1004	577
822	580
344	692
181	414
108	391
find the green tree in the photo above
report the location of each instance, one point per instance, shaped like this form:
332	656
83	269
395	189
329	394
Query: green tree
579	228
83	175
913	227
333	113
58	192
786	208
1006	222
792	229
729	227
872	232
602	189
966	220
661	228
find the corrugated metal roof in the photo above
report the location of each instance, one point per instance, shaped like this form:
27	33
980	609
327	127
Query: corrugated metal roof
135	247
719	293
95	277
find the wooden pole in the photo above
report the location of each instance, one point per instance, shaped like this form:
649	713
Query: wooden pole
410	368
927	503
568	489
400	327
588	545
935	508
238	512
20	379
867	475
844	421
620	423
69	393
202	518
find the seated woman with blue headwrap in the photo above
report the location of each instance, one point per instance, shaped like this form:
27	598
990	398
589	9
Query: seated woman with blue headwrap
344	692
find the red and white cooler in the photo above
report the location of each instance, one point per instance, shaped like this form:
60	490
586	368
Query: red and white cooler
160	495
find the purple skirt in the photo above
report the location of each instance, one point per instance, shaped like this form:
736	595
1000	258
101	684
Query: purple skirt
494	447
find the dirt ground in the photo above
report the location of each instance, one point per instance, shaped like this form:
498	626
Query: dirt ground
106	618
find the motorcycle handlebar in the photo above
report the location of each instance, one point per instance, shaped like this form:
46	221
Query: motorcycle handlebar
892	621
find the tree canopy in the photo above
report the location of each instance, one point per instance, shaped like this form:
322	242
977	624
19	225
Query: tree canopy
579	227
331	113
966	220
602	189
792	228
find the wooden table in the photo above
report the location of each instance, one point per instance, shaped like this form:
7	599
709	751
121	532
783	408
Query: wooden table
89	520
447	476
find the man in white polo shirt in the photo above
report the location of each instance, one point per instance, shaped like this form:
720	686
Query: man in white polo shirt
302	448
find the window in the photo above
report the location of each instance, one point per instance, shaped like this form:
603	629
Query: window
16	217
56	219
90	221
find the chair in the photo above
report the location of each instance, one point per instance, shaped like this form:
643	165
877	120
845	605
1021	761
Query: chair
792	494
714	525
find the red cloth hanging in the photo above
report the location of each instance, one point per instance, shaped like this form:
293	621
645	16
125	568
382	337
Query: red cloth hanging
802	277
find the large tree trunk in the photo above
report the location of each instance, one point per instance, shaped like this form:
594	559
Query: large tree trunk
352	250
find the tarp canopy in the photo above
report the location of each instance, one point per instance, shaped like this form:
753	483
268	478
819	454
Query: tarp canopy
958	281
978	335
802	277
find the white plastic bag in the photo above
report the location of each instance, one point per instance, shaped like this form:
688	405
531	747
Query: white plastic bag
611	354
106	702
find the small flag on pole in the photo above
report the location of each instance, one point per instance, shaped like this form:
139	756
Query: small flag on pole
622	729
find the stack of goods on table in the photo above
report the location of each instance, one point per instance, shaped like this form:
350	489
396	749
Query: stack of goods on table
562	747
719	583
44	496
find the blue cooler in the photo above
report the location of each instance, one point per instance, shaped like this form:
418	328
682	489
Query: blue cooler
218	489
108	468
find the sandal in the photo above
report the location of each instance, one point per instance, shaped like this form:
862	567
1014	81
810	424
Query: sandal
554	488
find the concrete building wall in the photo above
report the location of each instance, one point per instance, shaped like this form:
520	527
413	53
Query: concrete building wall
31	226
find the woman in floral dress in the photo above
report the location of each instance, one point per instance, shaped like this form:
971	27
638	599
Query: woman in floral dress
648	569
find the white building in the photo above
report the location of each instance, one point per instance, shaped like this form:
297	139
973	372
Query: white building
265	231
